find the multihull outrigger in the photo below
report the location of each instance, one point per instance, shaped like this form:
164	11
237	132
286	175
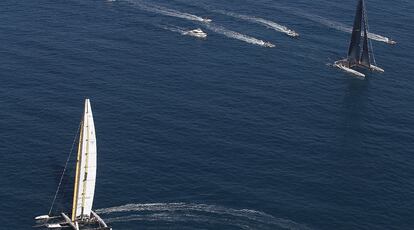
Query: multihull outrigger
82	216
356	58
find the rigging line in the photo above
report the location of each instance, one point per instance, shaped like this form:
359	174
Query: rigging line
369	40
64	169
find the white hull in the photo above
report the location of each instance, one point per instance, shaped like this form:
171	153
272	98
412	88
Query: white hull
74	226
390	42
198	33
43	217
95	219
339	65
292	34
267	44
342	64
54	226
376	69
100	220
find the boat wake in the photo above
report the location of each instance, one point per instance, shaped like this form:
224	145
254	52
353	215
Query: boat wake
182	31
341	27
167	11
242	37
201	213
206	22
261	21
176	29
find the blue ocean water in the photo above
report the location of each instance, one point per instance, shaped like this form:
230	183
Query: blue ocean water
208	134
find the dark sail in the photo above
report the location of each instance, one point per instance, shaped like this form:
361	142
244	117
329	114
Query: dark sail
365	59
354	47
365	50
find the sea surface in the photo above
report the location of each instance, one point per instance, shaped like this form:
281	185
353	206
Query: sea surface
221	133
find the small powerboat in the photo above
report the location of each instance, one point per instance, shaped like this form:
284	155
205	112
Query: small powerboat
207	20
292	33
391	42
196	33
266	44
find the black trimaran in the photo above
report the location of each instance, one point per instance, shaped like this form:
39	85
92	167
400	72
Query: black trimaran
356	58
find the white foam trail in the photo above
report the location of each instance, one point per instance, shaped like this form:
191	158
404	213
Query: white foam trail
218	29
166	11
173	29
261	21
242	37
380	38
244	217
180	217
340	26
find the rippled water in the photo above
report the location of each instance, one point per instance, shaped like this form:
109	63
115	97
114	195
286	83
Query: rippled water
221	133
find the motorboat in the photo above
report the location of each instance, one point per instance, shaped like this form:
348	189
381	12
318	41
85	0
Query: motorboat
292	33
196	33
267	44
207	20
391	42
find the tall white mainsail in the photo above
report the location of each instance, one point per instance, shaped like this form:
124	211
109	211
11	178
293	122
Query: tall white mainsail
85	167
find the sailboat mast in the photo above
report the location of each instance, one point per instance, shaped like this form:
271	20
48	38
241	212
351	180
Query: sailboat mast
365	57
371	48
354	46
86	165
77	175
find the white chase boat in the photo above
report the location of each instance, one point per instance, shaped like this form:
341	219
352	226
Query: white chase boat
292	33
356	58
207	20
82	216
196	33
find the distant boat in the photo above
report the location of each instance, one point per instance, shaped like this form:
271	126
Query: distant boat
292	33
82	216
196	33
207	20
356	58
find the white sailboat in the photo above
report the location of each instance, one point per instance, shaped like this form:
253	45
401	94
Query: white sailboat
356	57
82	215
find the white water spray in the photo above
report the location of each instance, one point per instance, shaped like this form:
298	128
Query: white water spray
261	21
189	212
242	37
206	22
166	11
337	25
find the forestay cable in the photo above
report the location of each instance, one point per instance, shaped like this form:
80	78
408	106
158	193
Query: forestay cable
64	169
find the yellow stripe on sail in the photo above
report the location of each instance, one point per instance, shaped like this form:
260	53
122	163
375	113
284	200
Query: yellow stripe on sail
78	162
